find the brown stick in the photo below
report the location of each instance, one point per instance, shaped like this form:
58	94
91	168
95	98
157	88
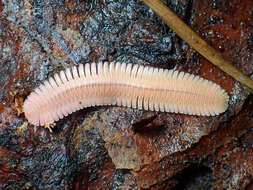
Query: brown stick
193	39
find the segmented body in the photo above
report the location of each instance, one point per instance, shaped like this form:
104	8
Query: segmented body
123	84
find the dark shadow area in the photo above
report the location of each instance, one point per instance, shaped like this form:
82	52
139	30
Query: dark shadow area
195	177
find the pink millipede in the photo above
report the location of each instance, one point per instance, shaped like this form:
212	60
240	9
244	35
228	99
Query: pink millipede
122	84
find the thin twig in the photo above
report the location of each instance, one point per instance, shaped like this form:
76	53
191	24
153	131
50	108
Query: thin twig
193	39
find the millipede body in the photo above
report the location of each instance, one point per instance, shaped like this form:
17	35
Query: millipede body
121	84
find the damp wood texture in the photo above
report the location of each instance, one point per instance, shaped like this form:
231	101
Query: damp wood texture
122	84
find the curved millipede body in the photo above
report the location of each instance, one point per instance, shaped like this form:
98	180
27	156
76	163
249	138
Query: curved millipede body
122	84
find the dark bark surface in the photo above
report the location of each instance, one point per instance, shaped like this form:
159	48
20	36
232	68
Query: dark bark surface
116	147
